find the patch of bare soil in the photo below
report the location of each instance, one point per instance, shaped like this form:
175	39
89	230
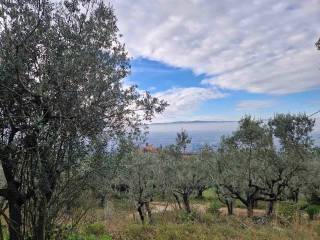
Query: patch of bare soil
161	207
243	212
157	207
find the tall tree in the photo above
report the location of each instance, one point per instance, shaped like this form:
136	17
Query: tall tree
237	165
183	173
61	71
293	133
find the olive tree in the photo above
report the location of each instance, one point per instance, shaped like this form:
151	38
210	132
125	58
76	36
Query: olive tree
295	145
140	172
105	161
61	71
236	165
264	161
312	188
205	156
183	173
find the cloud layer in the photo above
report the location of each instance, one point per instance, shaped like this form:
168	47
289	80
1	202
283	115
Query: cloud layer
247	105
263	46
183	102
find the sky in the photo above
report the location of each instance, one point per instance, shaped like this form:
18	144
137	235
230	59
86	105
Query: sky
220	60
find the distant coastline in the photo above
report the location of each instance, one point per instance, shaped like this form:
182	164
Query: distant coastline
201	132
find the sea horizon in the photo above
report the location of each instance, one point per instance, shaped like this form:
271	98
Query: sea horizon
201	132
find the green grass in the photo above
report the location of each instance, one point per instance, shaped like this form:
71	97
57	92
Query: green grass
88	237
94	231
187	231
177	225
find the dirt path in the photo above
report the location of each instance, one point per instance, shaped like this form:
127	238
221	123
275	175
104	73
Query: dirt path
162	207
243	212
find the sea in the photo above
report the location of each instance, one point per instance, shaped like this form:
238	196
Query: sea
201	133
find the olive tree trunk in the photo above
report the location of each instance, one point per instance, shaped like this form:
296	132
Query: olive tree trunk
186	202
149	212
230	207
177	200
270	208
140	211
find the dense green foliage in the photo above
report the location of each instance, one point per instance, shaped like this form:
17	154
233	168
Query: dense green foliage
61	80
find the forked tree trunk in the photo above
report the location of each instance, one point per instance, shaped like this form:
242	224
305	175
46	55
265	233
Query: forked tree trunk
186	202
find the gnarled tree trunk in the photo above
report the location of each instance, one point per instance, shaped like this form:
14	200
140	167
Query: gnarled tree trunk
177	200
230	207
140	211
270	208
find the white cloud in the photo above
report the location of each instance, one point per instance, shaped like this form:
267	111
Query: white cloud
264	46
254	105
184	101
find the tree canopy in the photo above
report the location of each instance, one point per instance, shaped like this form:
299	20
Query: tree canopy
61	78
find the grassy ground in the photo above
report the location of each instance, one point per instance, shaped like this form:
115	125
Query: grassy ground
175	225
230	229
119	221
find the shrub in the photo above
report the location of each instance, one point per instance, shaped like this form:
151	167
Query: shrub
312	210
96	229
210	194
214	207
288	211
88	237
188	217
76	237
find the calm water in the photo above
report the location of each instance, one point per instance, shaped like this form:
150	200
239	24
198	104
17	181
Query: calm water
200	132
